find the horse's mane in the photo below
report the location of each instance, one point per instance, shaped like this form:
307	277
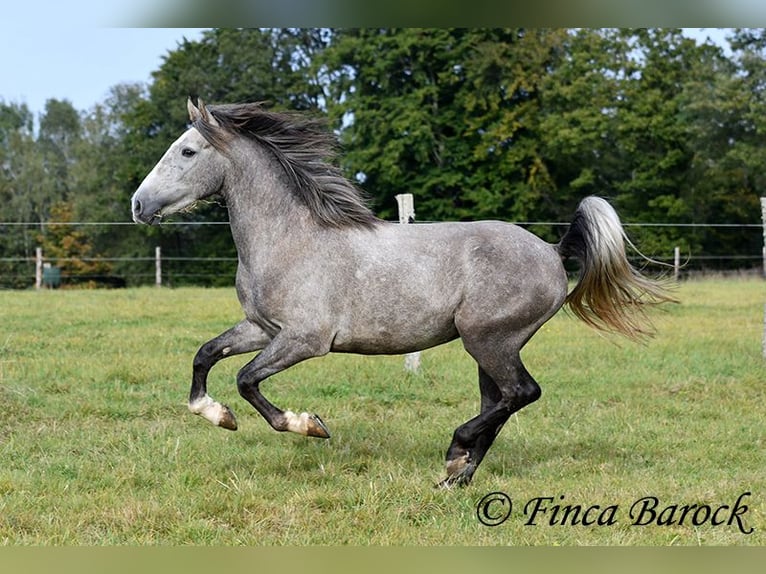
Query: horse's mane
304	147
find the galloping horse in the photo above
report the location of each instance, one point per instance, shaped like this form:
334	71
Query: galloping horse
318	272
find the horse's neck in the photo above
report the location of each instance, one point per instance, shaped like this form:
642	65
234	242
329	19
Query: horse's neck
265	215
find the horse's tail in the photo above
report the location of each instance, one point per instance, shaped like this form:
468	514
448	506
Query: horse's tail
610	294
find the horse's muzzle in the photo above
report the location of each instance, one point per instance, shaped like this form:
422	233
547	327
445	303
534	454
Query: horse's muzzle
143	215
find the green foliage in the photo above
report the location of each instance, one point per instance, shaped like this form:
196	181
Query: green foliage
72	250
25	192
515	124
447	115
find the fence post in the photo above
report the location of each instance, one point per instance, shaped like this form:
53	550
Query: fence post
676	263
406	206
158	266
763	219
38	268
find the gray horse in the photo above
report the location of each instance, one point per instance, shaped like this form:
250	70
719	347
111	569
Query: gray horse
318	272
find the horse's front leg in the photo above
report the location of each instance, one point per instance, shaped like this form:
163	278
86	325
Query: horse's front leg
284	351
244	337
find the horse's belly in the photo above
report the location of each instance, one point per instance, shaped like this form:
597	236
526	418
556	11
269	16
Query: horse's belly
394	336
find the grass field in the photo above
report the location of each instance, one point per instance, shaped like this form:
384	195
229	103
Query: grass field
98	447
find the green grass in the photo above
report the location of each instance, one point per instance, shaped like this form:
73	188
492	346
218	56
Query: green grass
97	445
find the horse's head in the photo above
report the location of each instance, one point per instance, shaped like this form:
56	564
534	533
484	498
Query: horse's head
191	169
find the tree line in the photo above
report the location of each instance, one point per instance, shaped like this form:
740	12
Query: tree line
513	124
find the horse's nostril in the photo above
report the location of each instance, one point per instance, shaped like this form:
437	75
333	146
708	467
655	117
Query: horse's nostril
137	207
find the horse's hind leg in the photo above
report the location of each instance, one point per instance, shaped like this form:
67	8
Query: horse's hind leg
244	337
507	390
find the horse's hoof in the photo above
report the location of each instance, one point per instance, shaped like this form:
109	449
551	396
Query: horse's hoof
316	427
305	424
452	481
213	411
228	420
459	465
459	471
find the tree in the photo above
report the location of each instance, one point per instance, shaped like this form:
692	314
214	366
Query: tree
59	133
392	97
578	126
100	181
508	72
516	124
724	171
72	250
681	120
749	47
447	115
652	142
18	171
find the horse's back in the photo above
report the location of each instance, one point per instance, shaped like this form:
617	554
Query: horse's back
488	252
417	280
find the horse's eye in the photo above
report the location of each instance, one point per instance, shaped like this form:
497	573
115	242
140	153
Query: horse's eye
186	152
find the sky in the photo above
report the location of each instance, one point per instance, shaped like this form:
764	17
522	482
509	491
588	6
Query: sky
70	59
80	64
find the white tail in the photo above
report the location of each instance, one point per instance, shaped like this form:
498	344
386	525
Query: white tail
610	294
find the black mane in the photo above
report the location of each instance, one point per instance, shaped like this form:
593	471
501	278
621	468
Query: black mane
305	148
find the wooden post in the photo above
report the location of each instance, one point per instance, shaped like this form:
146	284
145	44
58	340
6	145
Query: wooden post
406	205
406	208
158	266
38	268
676	263
763	218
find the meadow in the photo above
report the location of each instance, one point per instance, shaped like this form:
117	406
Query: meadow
98	447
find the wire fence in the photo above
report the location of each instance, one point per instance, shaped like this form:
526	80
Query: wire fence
168	266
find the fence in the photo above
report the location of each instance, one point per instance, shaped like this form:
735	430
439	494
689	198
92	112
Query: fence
165	267
48	276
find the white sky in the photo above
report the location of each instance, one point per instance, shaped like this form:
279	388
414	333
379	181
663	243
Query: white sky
64	56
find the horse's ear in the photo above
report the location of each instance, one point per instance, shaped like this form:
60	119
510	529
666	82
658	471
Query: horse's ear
194	112
200	112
